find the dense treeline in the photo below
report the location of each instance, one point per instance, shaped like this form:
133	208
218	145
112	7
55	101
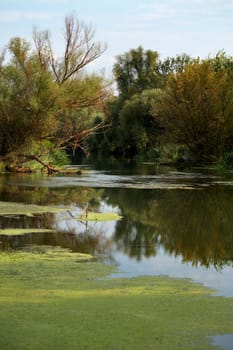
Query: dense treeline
177	109
165	110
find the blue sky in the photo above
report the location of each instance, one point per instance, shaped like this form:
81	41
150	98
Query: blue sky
196	27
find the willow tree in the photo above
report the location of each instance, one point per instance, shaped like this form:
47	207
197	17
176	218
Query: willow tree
47	102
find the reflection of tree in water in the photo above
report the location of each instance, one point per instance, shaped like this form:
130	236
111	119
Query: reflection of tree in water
31	194
135	239
45	220
86	241
83	241
79	240
196	224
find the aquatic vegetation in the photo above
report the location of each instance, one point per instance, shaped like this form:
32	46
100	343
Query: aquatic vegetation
22	231
49	301
10	208
91	216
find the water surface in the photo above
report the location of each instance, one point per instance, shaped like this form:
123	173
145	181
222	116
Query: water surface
176	223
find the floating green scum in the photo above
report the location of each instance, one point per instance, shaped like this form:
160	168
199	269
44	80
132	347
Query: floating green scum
10	208
50	300
92	216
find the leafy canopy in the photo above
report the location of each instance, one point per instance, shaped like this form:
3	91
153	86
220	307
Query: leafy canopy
46	100
198	108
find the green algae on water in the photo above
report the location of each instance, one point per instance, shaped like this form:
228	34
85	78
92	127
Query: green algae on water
100	217
44	252
22	231
10	208
50	301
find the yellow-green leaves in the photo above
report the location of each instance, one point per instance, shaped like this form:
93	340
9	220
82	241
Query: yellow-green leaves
197	110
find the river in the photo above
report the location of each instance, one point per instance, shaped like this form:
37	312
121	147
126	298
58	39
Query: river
175	223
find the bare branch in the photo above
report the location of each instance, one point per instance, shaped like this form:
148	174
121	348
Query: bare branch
42	49
50	169
75	139
80	49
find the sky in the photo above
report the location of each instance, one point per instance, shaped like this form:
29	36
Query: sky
196	27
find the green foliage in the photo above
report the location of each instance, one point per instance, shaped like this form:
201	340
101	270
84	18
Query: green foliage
136	71
198	109
195	110
50	104
139	124
26	100
225	162
2	167
228	158
173	65
46	103
134	124
48	154
135	115
166	153
60	157
222	62
96	141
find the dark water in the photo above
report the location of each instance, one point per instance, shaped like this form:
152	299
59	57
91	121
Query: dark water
174	223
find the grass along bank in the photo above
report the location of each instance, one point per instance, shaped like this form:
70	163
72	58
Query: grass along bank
50	300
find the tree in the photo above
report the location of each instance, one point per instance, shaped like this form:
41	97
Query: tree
27	100
198	109
139	122
140	75
46	102
140	69
136	71
175	64
172	65
80	49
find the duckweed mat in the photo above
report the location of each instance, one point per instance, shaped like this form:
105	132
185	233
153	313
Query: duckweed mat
10	208
49	299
